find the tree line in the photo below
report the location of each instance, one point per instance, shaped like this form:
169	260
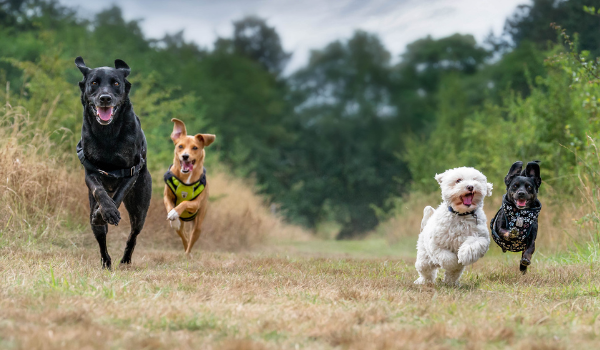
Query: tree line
347	135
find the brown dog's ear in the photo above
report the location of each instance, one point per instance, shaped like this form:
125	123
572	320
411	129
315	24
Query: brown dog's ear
178	130
206	139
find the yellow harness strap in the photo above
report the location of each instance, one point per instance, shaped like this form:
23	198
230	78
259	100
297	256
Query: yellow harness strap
185	192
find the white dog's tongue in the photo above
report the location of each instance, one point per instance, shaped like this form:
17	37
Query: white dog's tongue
105	113
468	199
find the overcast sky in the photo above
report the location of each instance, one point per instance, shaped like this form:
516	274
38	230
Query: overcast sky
309	24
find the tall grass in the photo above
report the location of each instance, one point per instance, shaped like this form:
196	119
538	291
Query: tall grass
43	197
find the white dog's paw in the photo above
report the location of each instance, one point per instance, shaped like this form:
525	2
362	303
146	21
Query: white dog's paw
447	259
466	256
173	215
421	280
175	224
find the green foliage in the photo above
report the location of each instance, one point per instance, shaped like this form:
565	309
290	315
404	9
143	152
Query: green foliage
346	136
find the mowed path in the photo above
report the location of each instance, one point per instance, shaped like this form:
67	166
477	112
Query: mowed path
289	296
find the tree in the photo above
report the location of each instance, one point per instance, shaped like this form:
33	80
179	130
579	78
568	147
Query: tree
348	161
253	38
532	23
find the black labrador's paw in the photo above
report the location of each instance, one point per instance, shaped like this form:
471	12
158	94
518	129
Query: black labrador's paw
110	214
106	264
96	218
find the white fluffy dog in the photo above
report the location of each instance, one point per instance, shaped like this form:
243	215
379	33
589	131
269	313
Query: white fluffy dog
455	234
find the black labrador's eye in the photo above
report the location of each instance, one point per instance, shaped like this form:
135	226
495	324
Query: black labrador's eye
116	83
195	148
180	146
458	181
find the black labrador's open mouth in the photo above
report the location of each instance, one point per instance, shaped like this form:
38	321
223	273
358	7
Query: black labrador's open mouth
104	115
187	166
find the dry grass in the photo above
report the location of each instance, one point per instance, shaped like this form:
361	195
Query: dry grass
54	295
59	298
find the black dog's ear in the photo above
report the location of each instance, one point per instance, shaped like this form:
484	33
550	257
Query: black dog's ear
81	65
515	170
533	170
123	67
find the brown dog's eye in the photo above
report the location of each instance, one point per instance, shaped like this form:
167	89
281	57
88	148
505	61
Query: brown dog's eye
116	83
180	146
458	181
195	148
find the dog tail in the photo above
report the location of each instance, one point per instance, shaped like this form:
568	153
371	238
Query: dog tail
427	213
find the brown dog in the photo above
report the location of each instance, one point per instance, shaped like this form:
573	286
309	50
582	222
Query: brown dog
186	188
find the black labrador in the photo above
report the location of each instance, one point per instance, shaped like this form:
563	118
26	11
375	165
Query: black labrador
113	152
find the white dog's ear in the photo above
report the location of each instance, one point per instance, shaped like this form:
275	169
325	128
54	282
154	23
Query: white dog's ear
490	187
440	177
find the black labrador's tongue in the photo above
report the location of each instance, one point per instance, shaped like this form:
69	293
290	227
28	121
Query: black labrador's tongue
104	113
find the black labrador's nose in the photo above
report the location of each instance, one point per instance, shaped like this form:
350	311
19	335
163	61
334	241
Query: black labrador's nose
105	99
470	188
185	156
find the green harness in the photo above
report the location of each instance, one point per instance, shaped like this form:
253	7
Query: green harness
184	192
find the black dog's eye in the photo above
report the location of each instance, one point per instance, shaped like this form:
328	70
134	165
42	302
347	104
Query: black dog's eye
458	181
180	146
116	83
94	83
195	148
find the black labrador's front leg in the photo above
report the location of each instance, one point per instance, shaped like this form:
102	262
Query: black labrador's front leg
100	232
107	210
528	252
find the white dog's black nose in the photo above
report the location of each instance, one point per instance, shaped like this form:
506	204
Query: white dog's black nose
470	188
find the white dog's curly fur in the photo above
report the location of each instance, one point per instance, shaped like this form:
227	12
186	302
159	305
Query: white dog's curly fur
447	239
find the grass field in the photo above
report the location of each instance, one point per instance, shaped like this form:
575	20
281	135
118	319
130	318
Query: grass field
259	283
289	295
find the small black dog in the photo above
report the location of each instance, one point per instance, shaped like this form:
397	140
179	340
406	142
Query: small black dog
113	152
514	228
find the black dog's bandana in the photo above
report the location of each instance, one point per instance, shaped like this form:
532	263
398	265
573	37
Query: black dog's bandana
450	209
521	219
134	170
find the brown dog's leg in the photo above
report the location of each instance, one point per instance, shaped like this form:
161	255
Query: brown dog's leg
197	229
181	233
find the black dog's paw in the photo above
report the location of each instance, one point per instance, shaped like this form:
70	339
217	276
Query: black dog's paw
513	234
126	261
106	264
97	219
523	268
110	214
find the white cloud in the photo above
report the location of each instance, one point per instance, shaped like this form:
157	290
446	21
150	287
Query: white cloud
311	24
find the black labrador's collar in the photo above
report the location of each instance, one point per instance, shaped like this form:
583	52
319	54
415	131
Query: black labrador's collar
450	209
119	173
